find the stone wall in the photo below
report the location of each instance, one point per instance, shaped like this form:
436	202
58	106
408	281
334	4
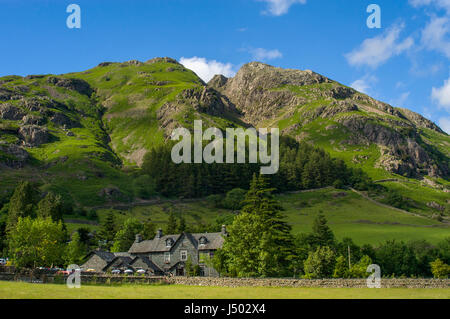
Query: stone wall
326	283
232	282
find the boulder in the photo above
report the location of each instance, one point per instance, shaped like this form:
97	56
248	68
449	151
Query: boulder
5	94
34	135
10	112
33	120
63	120
78	85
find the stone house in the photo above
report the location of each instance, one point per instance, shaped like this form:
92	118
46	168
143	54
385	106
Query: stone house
162	255
171	252
99	259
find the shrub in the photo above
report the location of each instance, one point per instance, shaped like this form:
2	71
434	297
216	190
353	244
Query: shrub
440	269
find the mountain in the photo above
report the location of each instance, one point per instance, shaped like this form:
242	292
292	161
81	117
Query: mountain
82	133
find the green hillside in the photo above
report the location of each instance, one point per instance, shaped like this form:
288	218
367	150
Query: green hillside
348	214
84	135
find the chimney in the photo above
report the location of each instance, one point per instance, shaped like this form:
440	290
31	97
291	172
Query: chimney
224	230
138	238
159	233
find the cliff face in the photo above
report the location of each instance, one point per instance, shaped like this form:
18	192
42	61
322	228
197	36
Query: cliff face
310	107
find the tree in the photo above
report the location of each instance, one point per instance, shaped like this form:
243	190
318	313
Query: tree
126	235
189	267
108	230
396	258
341	268
171	224
144	187
259	241
21	203
148	229
323	235
425	253
76	250
234	198
37	242
182	225
359	270
320	263
440	269
50	206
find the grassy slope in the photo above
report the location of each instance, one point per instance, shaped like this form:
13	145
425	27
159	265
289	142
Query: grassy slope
349	216
328	134
20	290
73	163
133	94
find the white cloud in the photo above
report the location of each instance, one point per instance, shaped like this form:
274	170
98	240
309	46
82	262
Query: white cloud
263	54
435	36
400	101
376	51
364	84
442	95
444	124
280	7
442	4
207	69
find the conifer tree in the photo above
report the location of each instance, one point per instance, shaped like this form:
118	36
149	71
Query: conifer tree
171	224
108	230
50	206
21	203
259	241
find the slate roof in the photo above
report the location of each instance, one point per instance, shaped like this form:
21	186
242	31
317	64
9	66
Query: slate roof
123	261
105	255
213	241
148	262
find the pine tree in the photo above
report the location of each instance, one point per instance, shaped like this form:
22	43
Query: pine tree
323	235
108	230
259	241
171	224
21	203
50	206
148	229
182	225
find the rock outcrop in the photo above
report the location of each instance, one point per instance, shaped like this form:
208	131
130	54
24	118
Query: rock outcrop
34	135
78	85
10	112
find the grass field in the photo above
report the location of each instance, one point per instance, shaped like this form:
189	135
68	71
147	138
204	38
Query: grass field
20	290
348	214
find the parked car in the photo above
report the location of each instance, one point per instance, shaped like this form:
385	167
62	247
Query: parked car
141	271
91	270
2	261
128	271
115	271
63	272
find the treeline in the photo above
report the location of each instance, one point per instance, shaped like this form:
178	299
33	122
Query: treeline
302	166
260	244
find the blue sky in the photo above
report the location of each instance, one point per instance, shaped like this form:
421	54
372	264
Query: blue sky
404	63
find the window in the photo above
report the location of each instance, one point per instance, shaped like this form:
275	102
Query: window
167	257
203	240
169	242
183	255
